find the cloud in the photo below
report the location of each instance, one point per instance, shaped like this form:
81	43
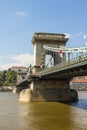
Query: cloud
85	37
22	13
67	35
5	66
24	58
79	33
74	36
1	57
19	60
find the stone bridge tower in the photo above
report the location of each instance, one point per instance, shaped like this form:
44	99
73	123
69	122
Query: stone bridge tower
48	39
47	89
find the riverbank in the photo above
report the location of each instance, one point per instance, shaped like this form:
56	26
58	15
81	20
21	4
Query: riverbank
6	89
79	86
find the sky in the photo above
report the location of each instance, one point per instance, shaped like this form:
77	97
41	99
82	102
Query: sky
20	19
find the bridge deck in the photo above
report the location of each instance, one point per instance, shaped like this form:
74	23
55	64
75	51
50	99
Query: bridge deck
71	68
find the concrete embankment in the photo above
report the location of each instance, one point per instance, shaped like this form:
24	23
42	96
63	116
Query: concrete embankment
6	89
79	86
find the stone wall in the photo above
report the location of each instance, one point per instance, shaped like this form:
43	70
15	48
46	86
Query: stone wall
80	86
48	90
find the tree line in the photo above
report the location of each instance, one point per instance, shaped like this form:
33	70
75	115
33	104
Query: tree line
8	78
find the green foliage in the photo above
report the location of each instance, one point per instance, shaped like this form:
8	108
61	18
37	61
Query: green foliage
1	79
11	78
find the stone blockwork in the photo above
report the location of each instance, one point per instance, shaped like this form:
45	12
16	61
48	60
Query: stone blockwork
25	95
79	86
47	39
54	90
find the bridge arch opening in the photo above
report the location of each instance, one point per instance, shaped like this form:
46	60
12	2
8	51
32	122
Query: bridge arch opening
49	62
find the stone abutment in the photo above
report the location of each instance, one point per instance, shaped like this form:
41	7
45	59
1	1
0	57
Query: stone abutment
48	90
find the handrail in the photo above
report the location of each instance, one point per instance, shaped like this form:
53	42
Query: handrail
64	64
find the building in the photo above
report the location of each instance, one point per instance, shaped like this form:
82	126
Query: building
22	69
80	83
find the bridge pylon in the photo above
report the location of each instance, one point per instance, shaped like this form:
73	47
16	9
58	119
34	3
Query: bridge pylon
48	39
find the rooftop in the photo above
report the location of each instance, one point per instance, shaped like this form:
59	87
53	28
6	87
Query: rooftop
18	67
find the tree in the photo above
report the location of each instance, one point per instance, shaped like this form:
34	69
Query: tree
11	77
1	79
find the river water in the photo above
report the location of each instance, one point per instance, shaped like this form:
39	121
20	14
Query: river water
42	115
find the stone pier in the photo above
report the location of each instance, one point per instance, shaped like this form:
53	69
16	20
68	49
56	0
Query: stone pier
48	90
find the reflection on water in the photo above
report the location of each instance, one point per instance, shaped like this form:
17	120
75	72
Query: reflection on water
42	115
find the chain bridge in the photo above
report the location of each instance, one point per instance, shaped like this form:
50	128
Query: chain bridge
54	67
73	63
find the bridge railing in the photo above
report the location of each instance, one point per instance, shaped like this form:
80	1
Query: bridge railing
64	64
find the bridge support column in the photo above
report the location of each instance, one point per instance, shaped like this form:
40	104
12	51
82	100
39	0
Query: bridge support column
50	90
